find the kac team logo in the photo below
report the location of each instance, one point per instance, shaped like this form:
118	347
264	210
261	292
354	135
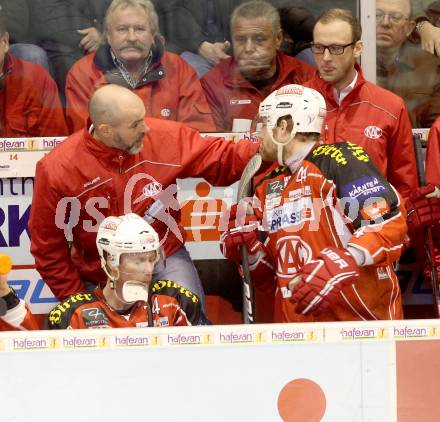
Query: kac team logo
293	253
373	132
152	189
165	112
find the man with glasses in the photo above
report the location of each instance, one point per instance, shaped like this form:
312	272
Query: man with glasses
404	68
357	110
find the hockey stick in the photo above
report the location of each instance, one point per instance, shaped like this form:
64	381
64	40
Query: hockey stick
429	242
245	191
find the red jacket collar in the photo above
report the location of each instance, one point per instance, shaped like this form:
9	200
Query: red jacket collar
326	89
233	78
104	153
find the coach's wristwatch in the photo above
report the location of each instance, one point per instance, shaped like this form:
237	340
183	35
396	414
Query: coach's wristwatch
420	23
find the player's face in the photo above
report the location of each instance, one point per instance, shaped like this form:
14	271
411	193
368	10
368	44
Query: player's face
336	69
392	23
129	34
129	134
137	266
255	47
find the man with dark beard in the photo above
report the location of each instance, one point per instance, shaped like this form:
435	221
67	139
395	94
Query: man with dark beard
122	163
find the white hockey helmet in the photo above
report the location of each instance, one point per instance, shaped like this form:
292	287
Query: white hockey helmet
125	234
305	105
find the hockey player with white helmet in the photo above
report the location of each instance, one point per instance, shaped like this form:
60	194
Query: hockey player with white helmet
333	226
129	249
278	112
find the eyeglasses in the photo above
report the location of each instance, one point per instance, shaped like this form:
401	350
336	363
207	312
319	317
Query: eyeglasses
334	49
394	17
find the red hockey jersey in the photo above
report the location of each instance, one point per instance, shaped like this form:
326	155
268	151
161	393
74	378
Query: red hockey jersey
169	304
336	198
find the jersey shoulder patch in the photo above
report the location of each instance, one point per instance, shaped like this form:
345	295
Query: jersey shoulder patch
60	316
188	301
274	173
341	158
340	153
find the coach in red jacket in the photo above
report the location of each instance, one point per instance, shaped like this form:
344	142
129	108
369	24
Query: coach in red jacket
135	58
424	209
29	100
433	154
357	110
236	86
123	163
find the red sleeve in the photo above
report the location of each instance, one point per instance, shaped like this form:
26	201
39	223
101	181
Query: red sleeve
194	110
79	88
219	161
211	87
50	121
48	243
382	243
371	205
402	167
32	98
432	170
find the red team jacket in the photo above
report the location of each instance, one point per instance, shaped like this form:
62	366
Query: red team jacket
304	212
104	181
30	105
377	120
170	90
433	154
231	96
169	304
432	172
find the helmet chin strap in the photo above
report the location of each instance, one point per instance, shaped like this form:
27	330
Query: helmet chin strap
281	145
